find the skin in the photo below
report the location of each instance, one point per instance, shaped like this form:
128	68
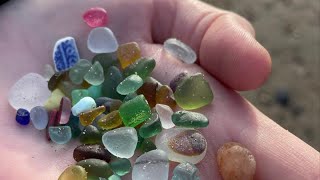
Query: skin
229	56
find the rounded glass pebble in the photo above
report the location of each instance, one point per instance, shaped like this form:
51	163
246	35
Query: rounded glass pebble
165	113
39	117
189	119
73	172
151	165
85	104
186	171
121	142
102	40
90	135
96	167
60	134
121	166
95	75
23	117
96	17
177	80
28	92
48	72
151	127
78	71
235	162
114	177
130	85
180	51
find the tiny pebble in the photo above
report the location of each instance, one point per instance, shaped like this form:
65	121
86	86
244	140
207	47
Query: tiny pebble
180	51
23	117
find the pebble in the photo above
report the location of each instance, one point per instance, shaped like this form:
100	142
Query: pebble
54	100
128	53
95	75
23	117
193	93
151	165
165	113
96	17
95	151
78	71
186	171
142	67
149	90
73	172
110	121
88	117
85	104
96	167
129	85
235	162
110	104
182	144
64	112
29	91
135	111
106	60
190	119
164	95
90	135
52	122
78	94
55	80
74	125
121	166
60	134
121	142
102	40
177	80
180	51
39	117
151	127
113	78
48	72
65	54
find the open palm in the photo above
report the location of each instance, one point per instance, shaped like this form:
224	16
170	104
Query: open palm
227	51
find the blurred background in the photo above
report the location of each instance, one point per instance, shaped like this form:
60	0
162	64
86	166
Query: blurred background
290	30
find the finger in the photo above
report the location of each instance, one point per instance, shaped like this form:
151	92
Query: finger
278	153
224	41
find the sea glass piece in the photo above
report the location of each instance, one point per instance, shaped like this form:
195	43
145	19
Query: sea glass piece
78	94
102	40
52	122
151	165
55	80
135	111
96	167
74	125
64	111
73	172
164	95
23	117
86	118
85	104
121	166
95	151
29	91
65	54
106	60
60	134
130	96
121	142
147	145
151	127
186	171
48	72
110	104
113	78
142	67
95	75
149	89
180	51
128	53
182	144
113	177
165	113
96	17
67	87
90	135
235	162
78	71
39	117
129	85
177	80
95	91
193	93
140	140
190	119
110	121
54	100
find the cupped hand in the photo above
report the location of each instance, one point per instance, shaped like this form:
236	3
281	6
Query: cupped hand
229	56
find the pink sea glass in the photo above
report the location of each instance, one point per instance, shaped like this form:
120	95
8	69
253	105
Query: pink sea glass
52	122
64	111
96	17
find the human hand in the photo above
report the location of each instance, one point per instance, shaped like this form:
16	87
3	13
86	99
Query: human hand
227	52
